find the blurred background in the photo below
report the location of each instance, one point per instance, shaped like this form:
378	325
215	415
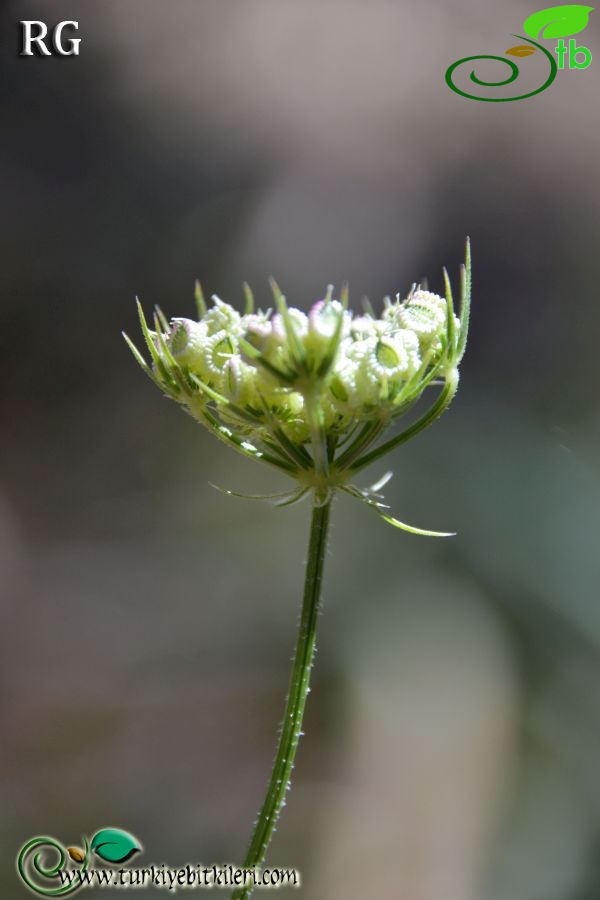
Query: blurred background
453	732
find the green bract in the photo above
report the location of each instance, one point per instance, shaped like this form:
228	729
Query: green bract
312	393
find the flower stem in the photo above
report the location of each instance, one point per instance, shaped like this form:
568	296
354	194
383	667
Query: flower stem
298	691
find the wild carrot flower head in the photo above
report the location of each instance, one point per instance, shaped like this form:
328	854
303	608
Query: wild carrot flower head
311	393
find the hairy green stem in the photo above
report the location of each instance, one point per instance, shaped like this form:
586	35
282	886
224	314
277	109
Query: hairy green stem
298	691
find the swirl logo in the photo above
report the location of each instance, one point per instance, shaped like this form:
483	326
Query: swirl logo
46	866
554	22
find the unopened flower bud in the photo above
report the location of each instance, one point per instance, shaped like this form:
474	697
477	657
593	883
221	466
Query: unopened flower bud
290	387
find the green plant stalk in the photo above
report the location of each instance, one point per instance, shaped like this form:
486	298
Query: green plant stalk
296	699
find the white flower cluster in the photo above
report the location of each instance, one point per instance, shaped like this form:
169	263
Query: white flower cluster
271	365
312	394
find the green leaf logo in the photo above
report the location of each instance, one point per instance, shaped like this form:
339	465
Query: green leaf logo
557	21
114	845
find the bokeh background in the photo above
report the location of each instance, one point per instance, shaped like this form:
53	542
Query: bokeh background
453	733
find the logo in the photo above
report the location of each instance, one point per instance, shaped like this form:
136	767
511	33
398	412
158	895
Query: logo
554	22
34	36
55	879
50	869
